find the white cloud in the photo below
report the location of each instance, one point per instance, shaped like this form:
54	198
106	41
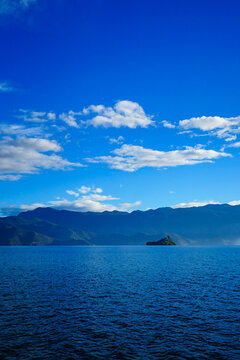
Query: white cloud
31	207
222	127
97	197
19	130
94	109
234	202
84	189
73	193
51	116
195	204
10	177
97	190
127	206
233	145
131	158
124	114
12	210
70	118
11	6
118	140
82	205
91	202
88	204
205	123
4	86
87	189
168	124
23	155
36	116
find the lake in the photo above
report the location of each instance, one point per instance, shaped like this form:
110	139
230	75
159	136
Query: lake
129	302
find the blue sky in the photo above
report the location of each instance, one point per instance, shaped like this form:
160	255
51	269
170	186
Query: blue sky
118	104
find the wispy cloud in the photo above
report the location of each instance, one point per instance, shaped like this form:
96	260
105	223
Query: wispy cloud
70	118
36	116
119	140
4	86
131	158
22	130
10	177
11	6
73	193
232	145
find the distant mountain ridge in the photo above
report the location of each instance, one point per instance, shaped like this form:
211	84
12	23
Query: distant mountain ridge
207	225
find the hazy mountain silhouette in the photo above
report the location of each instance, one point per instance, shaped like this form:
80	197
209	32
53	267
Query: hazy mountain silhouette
208	225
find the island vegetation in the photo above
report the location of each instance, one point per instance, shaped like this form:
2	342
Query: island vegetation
167	241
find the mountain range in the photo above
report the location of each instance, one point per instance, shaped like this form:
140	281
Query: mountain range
207	225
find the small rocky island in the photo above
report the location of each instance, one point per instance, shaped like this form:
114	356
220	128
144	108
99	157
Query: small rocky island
165	242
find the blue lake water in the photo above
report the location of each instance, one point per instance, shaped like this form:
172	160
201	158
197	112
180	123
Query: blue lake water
130	302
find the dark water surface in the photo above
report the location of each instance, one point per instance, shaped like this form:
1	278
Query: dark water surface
119	303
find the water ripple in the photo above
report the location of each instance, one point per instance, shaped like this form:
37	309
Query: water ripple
119	303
